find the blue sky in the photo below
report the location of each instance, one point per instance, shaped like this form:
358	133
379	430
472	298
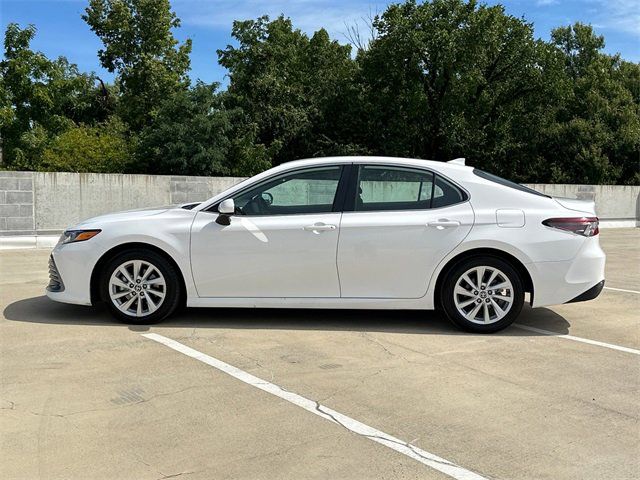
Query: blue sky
61	31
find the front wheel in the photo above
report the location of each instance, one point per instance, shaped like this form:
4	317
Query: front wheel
140	286
483	294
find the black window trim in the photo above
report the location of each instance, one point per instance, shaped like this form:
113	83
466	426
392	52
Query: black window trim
338	201
504	182
350	201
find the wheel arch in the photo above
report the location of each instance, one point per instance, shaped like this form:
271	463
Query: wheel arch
123	247
522	270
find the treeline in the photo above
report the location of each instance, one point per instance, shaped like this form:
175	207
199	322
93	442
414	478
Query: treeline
438	80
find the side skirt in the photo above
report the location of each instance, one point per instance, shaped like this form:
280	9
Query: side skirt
330	303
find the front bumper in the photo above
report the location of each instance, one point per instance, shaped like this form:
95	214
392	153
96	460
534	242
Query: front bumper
55	281
73	264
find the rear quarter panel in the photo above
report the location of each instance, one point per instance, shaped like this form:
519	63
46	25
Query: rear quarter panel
530	243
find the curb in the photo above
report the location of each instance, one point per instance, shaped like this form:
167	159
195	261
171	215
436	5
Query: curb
28	241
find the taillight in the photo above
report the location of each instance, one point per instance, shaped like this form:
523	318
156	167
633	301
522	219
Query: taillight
585	226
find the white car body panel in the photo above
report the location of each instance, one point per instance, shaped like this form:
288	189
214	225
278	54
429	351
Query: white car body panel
166	229
265	256
370	260
390	254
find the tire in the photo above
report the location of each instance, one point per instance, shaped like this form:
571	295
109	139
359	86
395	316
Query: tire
152	296
477	307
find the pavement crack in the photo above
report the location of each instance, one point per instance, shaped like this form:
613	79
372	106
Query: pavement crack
174	475
331	417
165	394
377	342
255	361
40	414
361	381
139	458
408	445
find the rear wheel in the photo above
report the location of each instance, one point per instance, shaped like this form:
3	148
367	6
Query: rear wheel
140	286
482	294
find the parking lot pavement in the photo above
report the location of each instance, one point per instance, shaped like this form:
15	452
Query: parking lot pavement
84	397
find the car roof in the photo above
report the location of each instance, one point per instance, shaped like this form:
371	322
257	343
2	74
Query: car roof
433	164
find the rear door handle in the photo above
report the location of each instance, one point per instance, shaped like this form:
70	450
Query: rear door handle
444	223
319	227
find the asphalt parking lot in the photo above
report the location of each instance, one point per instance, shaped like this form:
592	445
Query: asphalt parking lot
84	397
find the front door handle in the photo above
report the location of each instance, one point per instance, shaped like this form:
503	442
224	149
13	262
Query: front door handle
319	227
444	223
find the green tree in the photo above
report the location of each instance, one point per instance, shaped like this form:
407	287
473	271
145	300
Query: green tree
39	98
104	147
595	135
140	47
292	89
188	136
452	78
438	79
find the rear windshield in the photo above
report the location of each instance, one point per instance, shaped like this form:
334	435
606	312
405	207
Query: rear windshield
507	183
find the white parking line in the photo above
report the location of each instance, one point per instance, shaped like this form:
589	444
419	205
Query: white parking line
359	428
578	339
621	290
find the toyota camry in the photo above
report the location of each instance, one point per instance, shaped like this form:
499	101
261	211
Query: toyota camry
344	232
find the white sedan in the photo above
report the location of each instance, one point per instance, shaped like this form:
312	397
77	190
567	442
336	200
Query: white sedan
344	232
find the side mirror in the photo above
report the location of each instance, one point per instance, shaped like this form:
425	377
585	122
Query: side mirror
227	207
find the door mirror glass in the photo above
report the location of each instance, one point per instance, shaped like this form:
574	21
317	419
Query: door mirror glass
227	207
267	198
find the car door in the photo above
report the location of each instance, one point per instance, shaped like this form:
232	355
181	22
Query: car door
282	241
402	222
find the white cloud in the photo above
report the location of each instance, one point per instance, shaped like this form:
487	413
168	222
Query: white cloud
334	15
307	15
622	15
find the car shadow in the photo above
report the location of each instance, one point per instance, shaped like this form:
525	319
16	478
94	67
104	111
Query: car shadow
42	310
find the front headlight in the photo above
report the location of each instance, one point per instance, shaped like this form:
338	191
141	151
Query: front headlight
71	236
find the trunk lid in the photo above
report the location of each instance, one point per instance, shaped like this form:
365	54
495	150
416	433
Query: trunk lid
583	206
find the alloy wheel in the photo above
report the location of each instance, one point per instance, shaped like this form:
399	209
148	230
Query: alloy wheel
137	288
483	295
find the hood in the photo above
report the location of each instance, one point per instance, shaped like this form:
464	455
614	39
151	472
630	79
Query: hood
125	215
583	206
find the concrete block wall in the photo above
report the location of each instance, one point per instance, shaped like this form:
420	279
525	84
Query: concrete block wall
196	189
16	202
615	204
39	203
45	203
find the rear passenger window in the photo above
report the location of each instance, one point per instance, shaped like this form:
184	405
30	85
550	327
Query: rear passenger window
393	188
446	193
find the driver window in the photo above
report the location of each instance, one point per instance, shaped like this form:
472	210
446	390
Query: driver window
303	191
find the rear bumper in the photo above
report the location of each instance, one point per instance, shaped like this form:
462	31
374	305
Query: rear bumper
576	280
590	294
